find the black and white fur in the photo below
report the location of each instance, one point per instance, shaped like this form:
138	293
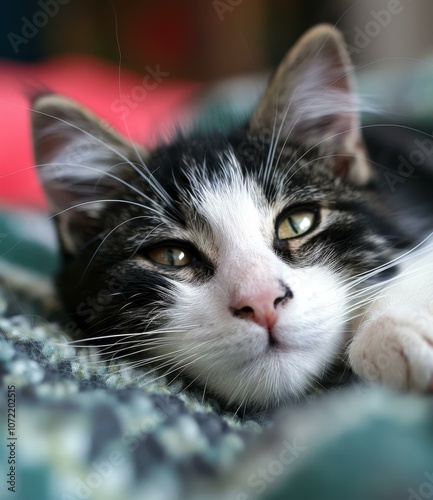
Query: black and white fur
221	198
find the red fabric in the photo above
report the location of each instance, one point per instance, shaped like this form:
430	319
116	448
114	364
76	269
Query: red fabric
96	85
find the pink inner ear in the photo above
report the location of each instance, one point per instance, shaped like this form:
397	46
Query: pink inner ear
52	143
94	84
312	94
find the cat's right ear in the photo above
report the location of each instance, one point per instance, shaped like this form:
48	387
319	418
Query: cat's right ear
79	161
312	101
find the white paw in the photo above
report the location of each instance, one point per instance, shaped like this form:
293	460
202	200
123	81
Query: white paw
396	348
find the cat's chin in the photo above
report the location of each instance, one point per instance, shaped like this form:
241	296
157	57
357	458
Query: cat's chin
272	376
267	384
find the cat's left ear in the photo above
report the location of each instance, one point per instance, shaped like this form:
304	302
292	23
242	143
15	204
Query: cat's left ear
81	162
311	100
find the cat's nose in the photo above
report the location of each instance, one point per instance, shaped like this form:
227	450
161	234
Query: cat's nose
262	307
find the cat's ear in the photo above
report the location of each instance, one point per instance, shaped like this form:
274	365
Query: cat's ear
311	100
79	160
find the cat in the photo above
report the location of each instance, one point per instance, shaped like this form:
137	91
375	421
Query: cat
246	263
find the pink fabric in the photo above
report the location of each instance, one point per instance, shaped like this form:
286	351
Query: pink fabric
151	102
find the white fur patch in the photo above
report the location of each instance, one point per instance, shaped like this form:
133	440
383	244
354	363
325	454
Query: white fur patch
231	355
394	344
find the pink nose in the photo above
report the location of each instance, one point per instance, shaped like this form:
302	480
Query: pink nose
262	308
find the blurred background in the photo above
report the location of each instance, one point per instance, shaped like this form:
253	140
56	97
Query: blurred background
166	52
207	39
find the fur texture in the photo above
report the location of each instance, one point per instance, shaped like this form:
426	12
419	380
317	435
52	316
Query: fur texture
252	318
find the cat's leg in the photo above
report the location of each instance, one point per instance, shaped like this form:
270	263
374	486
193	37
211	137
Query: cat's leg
394	342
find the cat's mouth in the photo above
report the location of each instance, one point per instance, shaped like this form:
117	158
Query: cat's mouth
281	341
273	343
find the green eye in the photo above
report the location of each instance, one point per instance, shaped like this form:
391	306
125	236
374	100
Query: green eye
296	224
170	256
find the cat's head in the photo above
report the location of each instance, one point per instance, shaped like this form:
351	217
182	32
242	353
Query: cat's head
225	260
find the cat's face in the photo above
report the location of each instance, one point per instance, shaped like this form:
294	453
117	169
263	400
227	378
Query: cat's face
226	260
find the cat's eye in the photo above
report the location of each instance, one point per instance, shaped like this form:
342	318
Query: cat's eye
168	255
296	224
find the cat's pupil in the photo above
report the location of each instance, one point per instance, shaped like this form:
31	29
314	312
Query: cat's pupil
170	256
294	225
